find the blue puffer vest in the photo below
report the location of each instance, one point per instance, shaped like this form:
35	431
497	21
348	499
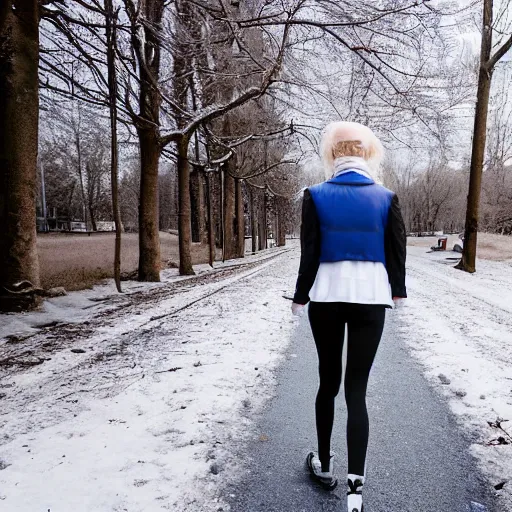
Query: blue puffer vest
353	213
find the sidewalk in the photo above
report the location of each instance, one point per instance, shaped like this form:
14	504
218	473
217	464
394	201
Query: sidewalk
418	458
152	400
459	326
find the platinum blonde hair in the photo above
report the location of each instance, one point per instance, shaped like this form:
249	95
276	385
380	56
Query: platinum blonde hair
346	139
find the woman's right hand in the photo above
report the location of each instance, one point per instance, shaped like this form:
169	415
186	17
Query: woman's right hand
298	309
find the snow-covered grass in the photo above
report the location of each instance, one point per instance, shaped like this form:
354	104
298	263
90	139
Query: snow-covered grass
490	246
147	416
460	327
169	377
84	305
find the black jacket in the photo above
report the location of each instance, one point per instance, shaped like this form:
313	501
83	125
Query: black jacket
395	249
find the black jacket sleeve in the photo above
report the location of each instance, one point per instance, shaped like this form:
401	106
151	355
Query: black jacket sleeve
310	250
396	249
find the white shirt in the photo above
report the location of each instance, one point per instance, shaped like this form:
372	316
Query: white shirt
359	282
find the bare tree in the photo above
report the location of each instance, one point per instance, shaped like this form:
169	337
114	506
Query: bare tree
195	68
430	194
77	137
146	34
496	206
129	192
489	57
111	19
193	119
62	196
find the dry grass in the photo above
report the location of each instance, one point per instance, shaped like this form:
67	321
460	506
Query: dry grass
490	247
494	247
80	261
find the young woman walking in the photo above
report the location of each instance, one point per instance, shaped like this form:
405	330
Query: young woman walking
352	268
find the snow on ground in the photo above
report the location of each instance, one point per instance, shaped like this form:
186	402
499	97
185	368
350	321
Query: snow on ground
460	327
170	377
490	246
79	306
147	416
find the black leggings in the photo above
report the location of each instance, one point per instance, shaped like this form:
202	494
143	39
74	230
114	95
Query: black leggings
365	325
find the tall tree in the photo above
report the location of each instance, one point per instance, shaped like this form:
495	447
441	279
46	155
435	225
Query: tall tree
193	119
111	33
186	30
223	55
146	30
488	62
19	118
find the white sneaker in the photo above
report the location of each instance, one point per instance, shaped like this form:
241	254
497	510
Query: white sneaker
325	478
355	493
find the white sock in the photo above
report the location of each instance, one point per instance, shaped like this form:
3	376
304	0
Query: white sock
355	501
317	465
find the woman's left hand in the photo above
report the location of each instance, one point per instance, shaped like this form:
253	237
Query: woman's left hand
399	301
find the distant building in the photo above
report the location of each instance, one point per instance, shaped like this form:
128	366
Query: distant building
54	222
105	225
78	226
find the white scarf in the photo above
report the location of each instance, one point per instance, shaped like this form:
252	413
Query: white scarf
351	163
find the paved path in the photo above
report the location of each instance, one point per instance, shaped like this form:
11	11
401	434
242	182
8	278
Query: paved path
418	458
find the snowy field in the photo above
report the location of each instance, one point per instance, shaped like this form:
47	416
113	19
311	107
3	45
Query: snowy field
137	402
146	415
460	327
490	246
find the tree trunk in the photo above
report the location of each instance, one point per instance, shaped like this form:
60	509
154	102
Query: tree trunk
240	220
275	227
199	227
194	205
268	218
275	224
90	198
146	42
111	22
222	214
211	224
261	232
185	226
282	234
19	107
254	222
201	209
94	227
281	242
263	223
43	200
149	240
78	147
182	95
229	217
468	261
